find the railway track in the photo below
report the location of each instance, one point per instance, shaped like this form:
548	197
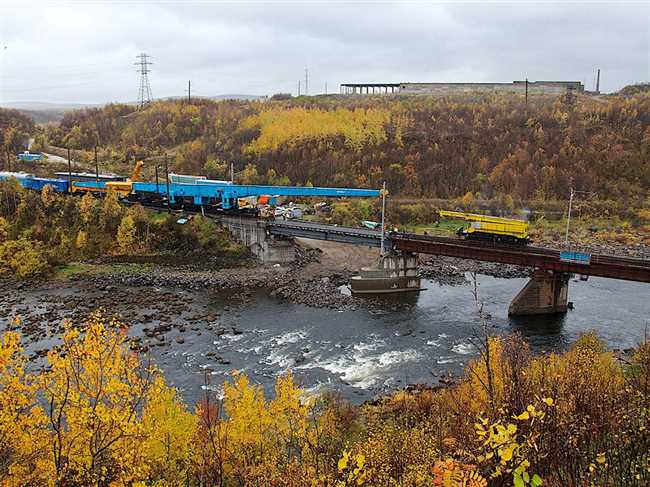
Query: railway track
603	265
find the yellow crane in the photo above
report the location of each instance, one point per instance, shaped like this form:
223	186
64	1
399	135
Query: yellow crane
488	227
124	188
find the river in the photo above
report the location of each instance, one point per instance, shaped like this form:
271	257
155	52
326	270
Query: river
362	354
359	354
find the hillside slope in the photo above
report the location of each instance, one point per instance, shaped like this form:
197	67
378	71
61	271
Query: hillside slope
434	147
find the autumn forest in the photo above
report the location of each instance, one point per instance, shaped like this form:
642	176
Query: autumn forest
422	146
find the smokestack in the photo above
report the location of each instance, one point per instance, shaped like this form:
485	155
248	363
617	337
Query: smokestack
598	81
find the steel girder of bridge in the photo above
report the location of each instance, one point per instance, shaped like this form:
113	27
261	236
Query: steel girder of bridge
544	259
316	231
613	267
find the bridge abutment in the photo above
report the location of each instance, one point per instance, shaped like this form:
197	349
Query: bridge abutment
545	293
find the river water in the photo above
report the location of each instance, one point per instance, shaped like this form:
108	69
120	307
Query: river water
359	354
362	354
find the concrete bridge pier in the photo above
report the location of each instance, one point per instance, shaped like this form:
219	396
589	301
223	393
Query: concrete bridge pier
270	249
545	293
402	265
397	272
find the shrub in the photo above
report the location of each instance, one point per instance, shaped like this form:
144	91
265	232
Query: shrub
24	258
126	238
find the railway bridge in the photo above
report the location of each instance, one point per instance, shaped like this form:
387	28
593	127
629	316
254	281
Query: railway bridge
546	291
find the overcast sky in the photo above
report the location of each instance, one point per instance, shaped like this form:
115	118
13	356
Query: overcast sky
84	51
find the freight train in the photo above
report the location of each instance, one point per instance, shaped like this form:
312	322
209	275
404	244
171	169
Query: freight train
195	193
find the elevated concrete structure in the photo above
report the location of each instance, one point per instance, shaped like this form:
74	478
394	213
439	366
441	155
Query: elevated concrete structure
397	272
268	248
444	89
545	293
370	88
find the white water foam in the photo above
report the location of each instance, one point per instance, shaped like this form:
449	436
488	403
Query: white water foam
446	360
278	358
463	348
232	338
362	368
290	337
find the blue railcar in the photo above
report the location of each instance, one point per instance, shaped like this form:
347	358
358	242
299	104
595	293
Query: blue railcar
59	185
20	176
30	156
29	181
225	195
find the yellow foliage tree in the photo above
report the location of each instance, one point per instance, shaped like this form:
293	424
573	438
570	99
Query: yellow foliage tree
280	126
4	229
81	240
126	237
22	439
169	429
111	213
22	257
95	391
48	196
88	209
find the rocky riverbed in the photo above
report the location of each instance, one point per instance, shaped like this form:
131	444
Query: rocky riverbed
165	295
262	320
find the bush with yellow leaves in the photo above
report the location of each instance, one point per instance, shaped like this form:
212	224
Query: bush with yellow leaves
23	258
99	414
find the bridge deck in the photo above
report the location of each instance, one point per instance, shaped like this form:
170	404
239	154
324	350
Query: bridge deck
541	258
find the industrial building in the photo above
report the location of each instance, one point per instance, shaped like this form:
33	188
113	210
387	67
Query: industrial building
443	89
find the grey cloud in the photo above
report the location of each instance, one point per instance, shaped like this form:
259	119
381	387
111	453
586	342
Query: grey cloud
84	52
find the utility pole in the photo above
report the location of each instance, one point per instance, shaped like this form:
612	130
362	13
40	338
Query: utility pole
69	172
144	94
383	218
306	81
568	219
96	166
572	195
189	91
598	81
526	92
167	179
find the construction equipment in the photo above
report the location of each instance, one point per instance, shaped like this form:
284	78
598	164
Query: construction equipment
486	227
124	188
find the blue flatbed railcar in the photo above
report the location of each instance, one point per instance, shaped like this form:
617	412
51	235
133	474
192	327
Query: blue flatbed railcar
59	185
226	195
30	181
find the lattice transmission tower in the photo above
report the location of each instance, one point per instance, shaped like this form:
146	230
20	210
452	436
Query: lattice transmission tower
143	64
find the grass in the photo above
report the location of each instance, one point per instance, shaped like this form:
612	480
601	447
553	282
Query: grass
442	228
76	268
